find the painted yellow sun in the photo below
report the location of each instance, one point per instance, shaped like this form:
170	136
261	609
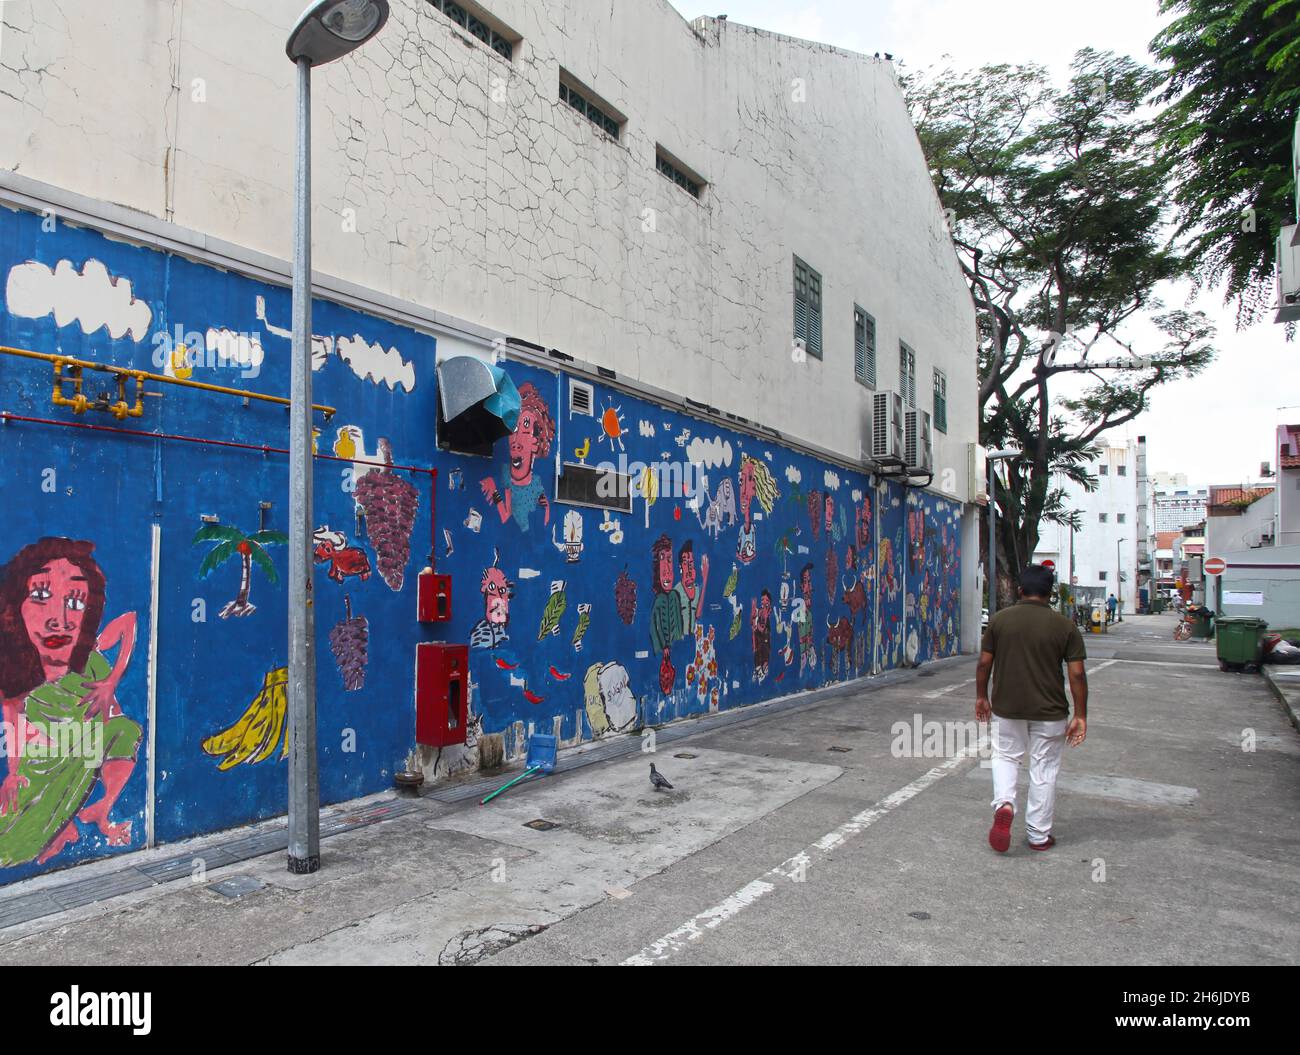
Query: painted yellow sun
611	426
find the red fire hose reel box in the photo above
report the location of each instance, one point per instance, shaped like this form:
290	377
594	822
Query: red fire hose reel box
433	597
441	693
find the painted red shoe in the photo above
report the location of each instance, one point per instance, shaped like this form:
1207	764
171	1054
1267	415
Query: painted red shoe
1000	833
1046	844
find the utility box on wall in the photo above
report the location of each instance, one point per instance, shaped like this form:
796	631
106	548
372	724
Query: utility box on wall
432	597
441	693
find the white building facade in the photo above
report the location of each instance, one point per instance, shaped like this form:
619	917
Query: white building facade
1101	556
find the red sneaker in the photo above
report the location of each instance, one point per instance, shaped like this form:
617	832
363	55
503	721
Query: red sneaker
1046	844
1000	833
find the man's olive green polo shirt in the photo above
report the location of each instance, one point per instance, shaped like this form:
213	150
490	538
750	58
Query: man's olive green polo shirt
1030	643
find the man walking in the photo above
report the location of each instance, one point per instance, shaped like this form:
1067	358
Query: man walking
1024	649
1111	606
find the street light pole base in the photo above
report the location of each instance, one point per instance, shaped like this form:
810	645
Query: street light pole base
301	866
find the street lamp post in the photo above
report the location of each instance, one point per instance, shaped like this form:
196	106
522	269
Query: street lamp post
993	458
327	30
1119	582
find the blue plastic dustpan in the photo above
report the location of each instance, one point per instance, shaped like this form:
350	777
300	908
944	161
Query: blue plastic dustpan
541	752
541	759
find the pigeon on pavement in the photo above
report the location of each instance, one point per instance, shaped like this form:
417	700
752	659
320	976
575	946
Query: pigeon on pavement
657	780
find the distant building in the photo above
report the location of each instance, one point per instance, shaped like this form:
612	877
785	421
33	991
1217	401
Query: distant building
1104	556
1288	485
1174	508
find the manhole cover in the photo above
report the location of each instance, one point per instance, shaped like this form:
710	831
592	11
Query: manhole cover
926	674
919	915
540	825
684	754
841	750
237	886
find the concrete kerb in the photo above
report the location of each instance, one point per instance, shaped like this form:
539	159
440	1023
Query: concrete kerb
1285	683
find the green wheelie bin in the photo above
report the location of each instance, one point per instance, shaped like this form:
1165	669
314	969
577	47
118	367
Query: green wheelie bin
1202	621
1239	642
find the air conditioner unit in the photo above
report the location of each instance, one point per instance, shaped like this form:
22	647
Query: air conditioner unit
977	473
887	428
1288	276
918	443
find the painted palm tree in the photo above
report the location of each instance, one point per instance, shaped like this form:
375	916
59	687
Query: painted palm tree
251	549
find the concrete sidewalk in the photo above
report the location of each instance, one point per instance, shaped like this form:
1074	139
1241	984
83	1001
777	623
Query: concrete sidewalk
799	837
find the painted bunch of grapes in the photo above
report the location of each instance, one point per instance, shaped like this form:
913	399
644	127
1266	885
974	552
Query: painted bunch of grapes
389	503
349	641
625	597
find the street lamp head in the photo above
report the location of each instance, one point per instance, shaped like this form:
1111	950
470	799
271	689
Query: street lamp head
1004	454
329	29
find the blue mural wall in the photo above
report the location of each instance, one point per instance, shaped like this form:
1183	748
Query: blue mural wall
743	571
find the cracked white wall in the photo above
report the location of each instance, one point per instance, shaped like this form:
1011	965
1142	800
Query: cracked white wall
474	191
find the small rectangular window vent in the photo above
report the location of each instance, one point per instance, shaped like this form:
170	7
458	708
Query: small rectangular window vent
581	398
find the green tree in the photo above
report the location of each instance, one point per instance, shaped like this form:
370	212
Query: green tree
1230	77
230	541
1054	199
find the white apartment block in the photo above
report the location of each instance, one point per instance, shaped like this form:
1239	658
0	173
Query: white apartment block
1104	556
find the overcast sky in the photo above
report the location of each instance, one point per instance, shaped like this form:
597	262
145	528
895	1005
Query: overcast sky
1217	427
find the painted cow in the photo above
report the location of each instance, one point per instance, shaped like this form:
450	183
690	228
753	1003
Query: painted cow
331	547
856	598
839	639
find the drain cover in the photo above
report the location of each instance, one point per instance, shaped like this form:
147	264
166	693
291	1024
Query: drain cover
684	754
237	886
919	915
540	825
841	750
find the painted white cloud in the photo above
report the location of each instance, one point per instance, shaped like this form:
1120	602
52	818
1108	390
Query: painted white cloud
371	362
709	453
91	297
857	494
832	480
793	474
241	349
647	428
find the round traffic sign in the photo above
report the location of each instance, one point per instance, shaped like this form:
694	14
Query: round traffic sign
1216	566
1049	564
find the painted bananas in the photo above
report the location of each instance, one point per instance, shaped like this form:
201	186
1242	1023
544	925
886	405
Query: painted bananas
255	736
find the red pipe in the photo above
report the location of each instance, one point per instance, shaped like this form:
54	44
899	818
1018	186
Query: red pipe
5	416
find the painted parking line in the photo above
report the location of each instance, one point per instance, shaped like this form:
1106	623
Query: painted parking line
794	869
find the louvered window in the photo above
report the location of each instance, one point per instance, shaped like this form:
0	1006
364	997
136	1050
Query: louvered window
940	401
864	348
907	374
808	308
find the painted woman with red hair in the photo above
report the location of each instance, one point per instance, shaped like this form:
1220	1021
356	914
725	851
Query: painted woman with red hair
65	732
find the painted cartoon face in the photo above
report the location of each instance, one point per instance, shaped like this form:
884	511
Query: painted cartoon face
666	570
830	511
864	524
496	596
806	587
764	611
524	447
747	486
688	573
52	612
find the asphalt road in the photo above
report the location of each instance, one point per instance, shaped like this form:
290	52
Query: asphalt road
808	836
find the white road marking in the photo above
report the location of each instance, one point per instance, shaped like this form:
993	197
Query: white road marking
951	688
794	869
1167	663
1103	665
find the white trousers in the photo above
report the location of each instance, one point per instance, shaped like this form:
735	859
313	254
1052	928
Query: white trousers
1044	742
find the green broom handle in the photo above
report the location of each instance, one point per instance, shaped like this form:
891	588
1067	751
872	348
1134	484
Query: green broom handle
526	772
